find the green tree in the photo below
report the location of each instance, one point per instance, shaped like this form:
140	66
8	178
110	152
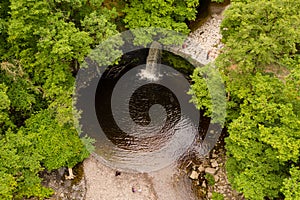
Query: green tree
263	140
260	33
260	65
170	15
42	44
291	188
5	121
4	17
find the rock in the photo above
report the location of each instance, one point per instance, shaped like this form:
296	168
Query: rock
216	178
195	167
189	164
211	171
209	195
201	168
205	39
118	173
133	189
194	175
204	184
214	155
214	164
61	171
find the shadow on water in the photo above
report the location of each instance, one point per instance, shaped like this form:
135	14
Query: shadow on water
140	101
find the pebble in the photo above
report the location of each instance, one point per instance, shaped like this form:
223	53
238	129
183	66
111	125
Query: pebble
216	178
133	189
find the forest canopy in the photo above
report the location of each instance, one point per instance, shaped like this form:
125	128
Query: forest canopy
261	69
42	44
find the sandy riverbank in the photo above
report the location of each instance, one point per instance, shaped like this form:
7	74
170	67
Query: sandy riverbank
103	184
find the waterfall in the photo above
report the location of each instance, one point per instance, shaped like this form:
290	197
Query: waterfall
151	71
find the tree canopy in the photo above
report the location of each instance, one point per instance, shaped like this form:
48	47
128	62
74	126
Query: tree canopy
170	15
42	44
261	67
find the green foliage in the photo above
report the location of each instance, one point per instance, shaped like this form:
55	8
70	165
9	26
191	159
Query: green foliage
170	15
210	179
19	166
291	188
259	33
7	186
21	93
217	196
4	17
264	139
57	143
41	46
260	66
4	100
208	93
5	121
97	25
145	36
88	143
257	147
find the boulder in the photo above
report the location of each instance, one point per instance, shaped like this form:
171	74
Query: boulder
211	171
194	175
214	163
201	168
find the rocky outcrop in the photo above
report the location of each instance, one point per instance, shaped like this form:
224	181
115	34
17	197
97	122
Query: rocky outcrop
212	168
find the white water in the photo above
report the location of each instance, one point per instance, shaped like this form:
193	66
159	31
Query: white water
151	72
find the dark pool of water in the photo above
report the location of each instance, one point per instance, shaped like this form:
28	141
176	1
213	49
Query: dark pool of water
142	125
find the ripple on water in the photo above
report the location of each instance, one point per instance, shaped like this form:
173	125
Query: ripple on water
153	121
